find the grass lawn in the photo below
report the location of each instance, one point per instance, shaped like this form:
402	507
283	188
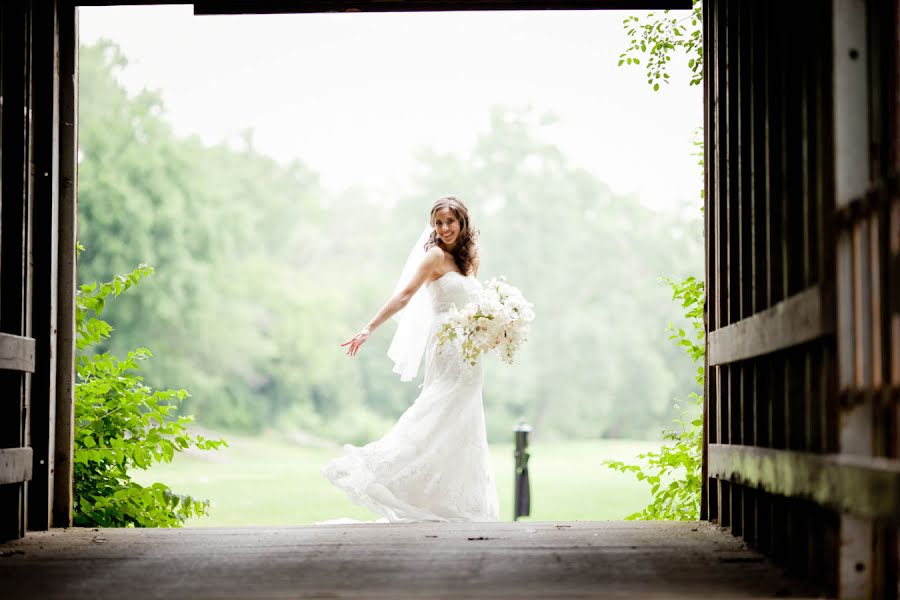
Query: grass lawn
267	481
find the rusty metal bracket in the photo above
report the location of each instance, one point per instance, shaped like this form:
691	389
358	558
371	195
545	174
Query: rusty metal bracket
850	398
875	199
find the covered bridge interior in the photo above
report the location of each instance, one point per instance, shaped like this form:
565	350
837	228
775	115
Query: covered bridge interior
802	405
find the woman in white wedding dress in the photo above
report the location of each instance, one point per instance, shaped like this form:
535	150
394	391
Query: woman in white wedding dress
433	465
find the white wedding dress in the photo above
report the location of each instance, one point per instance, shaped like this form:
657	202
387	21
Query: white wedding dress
433	465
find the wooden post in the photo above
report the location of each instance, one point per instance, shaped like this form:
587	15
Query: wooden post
67	282
708	141
44	212
851	171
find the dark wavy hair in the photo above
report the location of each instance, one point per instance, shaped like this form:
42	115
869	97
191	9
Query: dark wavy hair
465	253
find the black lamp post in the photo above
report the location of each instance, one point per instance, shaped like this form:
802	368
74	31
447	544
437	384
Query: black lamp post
523	488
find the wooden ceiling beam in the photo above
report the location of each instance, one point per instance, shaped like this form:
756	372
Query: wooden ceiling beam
237	7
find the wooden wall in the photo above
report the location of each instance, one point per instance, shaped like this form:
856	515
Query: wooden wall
802	362
17	347
38	83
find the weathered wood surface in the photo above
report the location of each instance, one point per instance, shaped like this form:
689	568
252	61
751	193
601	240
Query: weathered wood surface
16	353
15	306
861	564
15	465
64	434
314	6
864	486
43	255
447	560
795	320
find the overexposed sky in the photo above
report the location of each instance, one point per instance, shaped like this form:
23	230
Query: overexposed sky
354	95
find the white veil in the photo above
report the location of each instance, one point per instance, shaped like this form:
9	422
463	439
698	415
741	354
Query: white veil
414	320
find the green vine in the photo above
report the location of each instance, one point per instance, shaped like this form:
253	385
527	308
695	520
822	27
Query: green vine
674	473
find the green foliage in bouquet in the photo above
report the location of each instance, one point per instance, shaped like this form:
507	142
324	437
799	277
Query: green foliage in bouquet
674	473
121	424
449	333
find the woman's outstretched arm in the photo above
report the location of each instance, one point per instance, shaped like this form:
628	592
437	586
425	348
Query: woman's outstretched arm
430	264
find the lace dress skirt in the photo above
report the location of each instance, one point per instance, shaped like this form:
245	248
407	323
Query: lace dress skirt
434	463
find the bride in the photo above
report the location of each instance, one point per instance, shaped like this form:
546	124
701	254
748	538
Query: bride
433	465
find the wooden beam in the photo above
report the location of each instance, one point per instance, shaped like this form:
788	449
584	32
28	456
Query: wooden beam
15	465
798	319
231	7
218	7
16	353
866	487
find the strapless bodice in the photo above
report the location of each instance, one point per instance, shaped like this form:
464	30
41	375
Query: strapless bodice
452	288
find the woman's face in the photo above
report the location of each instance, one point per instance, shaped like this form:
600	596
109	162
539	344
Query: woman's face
446	225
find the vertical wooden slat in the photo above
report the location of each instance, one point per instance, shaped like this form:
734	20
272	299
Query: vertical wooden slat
799	390
44	254
892	327
774	203
728	286
754	193
802	406
825	185
817	383
776	258
745	276
761	254
721	225
709	415
68	169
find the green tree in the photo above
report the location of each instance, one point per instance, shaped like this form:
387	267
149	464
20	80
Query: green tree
240	304
261	274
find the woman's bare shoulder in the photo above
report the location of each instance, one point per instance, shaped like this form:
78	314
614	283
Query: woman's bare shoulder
433	260
434	255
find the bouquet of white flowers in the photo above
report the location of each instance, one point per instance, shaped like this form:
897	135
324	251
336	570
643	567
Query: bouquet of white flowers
497	318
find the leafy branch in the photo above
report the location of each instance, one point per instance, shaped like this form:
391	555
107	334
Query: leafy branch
658	36
121	424
674	473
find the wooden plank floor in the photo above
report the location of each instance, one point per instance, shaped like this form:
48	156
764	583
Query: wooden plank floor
473	560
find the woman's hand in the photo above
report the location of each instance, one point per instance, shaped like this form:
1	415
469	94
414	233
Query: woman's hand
356	341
